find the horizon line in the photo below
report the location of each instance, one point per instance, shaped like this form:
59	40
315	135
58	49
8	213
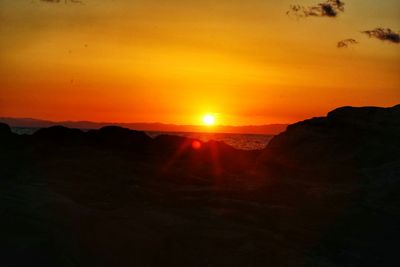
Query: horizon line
141	122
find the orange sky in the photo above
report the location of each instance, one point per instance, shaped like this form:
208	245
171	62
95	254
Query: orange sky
173	61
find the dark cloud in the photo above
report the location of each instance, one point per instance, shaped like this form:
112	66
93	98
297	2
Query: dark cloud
384	35
329	8
346	42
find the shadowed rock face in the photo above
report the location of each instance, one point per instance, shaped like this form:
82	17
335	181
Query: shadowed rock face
119	138
323	193
110	136
7	138
4	129
368	117
59	136
363	136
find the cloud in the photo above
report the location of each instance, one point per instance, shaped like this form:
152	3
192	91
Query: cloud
384	35
329	8
346	42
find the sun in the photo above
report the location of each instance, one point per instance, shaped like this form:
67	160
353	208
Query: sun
209	120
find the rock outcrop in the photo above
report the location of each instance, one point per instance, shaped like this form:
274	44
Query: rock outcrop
7	138
4	130
58	136
323	193
118	137
365	136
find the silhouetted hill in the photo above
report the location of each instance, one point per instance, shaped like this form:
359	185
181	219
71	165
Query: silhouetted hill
323	193
251	129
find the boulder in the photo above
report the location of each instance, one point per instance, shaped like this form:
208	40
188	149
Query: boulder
7	138
5	130
118	137
59	136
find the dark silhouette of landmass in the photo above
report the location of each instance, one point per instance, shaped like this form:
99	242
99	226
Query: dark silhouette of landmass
271	129
323	193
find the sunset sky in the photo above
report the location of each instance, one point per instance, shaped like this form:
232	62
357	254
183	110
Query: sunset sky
173	61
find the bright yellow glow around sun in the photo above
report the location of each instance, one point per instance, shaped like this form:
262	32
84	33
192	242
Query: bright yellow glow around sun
209	120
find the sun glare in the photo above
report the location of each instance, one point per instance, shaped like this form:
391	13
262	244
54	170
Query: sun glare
209	120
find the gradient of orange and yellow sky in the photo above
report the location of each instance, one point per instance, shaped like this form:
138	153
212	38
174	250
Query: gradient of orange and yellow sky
173	61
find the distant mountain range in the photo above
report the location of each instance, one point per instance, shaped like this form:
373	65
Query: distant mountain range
251	129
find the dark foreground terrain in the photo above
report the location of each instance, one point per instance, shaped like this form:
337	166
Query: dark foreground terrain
323	193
